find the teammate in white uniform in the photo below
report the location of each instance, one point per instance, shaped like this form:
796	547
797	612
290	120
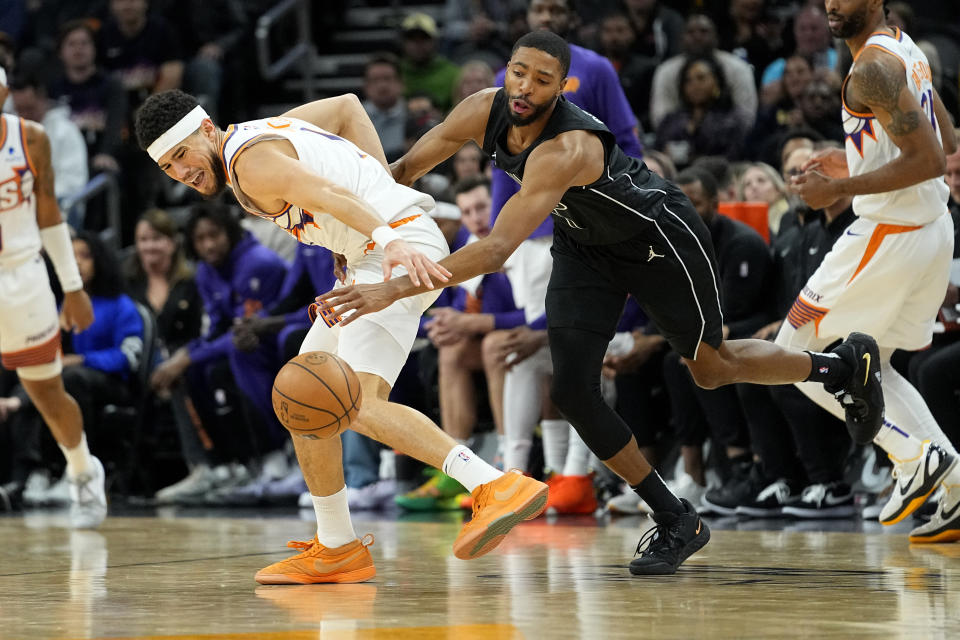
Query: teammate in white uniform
320	173
29	327
888	273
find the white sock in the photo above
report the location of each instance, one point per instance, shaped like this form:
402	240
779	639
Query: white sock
501	445
898	443
78	458
468	468
334	528
517	455
907	409
578	456
556	436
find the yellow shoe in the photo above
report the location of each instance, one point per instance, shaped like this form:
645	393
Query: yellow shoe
316	563
498	507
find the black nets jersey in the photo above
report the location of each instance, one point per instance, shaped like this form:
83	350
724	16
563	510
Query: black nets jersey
619	205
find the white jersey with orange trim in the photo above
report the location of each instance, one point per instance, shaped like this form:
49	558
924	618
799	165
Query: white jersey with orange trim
19	233
337	160
868	146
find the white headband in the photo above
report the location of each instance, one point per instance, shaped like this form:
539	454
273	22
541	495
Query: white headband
3	77
175	134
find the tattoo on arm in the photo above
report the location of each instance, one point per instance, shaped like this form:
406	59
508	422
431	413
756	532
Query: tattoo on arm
877	85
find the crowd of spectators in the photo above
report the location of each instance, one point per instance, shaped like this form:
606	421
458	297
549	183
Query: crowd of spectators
726	98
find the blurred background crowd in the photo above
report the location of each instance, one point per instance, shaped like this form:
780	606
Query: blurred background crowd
728	98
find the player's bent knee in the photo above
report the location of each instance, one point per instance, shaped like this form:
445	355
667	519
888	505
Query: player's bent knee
707	375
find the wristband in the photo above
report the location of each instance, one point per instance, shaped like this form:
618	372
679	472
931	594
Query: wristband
56	241
384	235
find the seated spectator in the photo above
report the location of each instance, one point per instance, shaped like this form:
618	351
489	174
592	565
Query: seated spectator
708	123
743	268
617	39
422	68
750	30
97	101
383	101
761	183
210	33
98	362
659	28
158	275
236	278
469	161
68	151
812	36
700	40
477	30
475	75
660	163
819	104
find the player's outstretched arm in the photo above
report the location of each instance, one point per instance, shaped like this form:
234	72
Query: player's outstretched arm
574	158
343	116
77	312
467	121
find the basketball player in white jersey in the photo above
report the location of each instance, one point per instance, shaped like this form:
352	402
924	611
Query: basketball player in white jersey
29	327
319	172
888	273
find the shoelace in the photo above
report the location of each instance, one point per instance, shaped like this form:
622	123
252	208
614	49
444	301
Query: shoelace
857	406
651	536
815	492
479	500
306	546
778	489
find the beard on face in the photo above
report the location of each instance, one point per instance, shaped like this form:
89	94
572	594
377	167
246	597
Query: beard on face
519	121
850	25
219	175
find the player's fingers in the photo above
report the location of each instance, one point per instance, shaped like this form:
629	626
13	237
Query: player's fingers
438	271
423	273
412	272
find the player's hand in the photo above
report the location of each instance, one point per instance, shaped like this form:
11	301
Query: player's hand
71	360
340	267
77	312
830	162
357	300
419	267
816	189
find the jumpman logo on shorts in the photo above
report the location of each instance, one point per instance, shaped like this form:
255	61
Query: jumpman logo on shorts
653	254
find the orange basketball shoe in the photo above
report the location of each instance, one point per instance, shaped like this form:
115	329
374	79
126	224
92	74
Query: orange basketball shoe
572	494
316	563
499	506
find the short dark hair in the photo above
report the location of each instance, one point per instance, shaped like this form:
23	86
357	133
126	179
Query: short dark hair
383	57
27	79
219	214
160	112
549	43
704	177
77	24
470	183
718	167
106	282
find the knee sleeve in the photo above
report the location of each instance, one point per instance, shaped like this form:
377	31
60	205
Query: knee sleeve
39	372
575	390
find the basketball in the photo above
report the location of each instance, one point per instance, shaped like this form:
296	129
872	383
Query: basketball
316	395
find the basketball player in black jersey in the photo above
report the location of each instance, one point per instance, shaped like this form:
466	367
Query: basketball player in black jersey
619	229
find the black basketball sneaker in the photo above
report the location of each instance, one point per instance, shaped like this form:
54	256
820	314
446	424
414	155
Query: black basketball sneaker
676	537
861	395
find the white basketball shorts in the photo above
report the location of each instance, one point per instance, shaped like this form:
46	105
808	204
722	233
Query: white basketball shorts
29	323
884	280
380	342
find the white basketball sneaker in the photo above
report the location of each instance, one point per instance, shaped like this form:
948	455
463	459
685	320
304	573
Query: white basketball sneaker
88	497
944	526
915	480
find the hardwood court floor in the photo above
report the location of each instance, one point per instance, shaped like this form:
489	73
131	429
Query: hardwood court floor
139	577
